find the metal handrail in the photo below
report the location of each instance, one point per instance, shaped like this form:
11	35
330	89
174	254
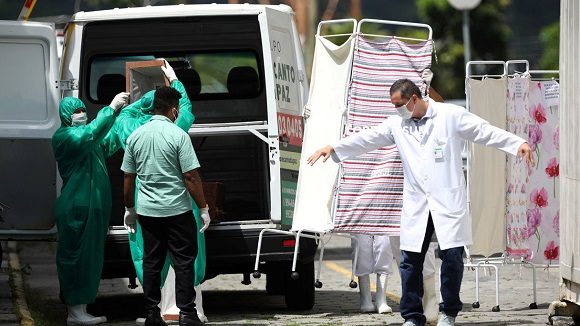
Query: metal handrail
396	23
336	21
517	62
490	62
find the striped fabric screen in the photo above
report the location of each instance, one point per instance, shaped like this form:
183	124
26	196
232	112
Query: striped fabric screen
371	186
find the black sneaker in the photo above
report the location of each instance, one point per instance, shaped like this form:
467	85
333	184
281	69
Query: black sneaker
154	319
189	319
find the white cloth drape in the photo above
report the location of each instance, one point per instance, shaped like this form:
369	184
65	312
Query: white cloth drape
326	104
487	170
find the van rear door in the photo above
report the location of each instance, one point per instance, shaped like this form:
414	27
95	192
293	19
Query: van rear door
287	96
28	118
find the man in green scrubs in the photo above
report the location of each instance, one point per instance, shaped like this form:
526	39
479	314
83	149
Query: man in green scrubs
161	157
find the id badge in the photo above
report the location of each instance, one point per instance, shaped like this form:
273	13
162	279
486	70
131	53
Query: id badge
438	153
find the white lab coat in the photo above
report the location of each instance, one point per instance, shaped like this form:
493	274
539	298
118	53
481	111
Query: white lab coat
432	166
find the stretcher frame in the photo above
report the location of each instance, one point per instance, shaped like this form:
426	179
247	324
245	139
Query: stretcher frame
504	259
316	234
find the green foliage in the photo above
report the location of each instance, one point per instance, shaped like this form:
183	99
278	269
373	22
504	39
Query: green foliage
488	40
550	37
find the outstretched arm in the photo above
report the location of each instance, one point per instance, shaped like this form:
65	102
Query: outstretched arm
324	152
475	129
186	117
356	144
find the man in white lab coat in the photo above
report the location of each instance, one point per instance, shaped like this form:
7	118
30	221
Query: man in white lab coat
429	136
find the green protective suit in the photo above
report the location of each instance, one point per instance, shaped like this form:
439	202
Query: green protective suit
131	118
83	208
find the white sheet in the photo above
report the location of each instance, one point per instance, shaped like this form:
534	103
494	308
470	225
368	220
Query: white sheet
487	170
326	103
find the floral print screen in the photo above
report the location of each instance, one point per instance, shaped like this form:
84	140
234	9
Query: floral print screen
532	205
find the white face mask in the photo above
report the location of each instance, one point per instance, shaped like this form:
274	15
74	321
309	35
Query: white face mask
79	119
175	114
404	112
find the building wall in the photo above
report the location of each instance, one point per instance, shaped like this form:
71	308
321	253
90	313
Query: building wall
570	149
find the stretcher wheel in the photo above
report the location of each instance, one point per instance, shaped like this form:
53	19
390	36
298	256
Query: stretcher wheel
317	284
256	274
352	284
495	309
475	304
294	276
533	305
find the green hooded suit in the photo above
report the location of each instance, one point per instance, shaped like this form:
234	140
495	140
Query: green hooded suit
83	208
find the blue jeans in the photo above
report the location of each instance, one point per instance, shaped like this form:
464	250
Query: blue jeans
412	279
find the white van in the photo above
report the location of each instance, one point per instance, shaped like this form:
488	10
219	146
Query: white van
243	68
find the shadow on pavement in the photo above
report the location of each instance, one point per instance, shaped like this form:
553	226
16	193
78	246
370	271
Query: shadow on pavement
119	307
223	306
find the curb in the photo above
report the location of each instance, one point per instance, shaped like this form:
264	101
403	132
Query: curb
17	285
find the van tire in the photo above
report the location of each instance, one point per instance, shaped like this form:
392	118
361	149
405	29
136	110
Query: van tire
300	293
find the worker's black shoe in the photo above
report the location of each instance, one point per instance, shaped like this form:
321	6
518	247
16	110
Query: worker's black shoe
189	319
154	319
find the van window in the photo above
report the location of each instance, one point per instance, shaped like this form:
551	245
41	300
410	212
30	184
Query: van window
219	59
215	75
19	62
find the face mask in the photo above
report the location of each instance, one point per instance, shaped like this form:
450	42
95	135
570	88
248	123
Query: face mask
404	112
79	119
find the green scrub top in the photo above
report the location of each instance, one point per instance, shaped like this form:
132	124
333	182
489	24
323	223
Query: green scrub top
159	153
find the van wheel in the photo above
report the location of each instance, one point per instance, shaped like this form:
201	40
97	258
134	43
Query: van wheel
300	292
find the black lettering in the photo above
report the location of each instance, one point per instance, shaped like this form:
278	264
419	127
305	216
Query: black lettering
287	94
280	68
284	74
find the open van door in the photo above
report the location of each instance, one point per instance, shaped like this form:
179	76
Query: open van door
28	118
287	94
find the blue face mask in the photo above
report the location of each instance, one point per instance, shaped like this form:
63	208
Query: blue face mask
78	119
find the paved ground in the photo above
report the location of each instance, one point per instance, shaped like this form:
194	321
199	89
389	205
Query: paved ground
227	302
7	313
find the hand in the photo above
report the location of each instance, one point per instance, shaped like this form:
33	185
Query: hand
324	152
169	72
427	76
204	213
307	112
525	151
130	219
120	101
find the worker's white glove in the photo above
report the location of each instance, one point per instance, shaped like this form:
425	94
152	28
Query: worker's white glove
306	113
427	76
169	72
130	219
204	213
120	101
